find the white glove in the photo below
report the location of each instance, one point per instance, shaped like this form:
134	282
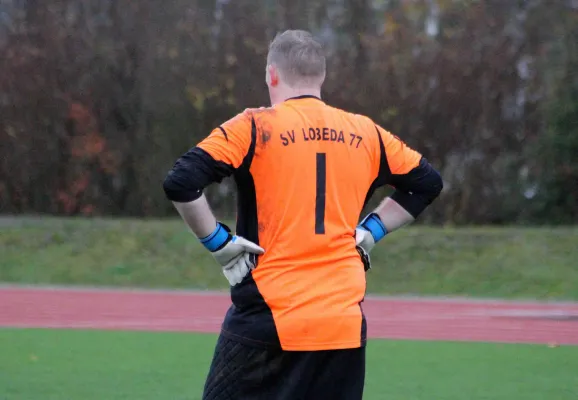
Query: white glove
237	258
370	231
235	254
364	239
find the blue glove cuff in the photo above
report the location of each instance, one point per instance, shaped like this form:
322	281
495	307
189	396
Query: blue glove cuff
373	224
217	239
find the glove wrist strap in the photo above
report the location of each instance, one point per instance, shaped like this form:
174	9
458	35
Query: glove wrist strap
373	224
217	239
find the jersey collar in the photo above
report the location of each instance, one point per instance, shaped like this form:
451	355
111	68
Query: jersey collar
305	96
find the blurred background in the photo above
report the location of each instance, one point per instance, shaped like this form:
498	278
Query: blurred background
99	97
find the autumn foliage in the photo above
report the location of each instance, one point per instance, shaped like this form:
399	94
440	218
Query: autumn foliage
97	98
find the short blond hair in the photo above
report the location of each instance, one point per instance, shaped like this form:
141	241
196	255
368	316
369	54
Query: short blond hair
299	58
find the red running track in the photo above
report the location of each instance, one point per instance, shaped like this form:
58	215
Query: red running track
417	319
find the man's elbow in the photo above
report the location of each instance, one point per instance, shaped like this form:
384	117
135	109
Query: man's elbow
436	185
179	190
416	190
428	183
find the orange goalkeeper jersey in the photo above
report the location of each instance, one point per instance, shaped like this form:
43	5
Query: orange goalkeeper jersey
304	171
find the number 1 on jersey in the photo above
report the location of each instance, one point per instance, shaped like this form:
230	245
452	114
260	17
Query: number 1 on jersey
321	168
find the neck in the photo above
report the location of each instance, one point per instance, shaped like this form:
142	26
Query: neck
289	93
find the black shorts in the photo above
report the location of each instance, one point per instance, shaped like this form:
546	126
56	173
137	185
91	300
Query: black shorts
241	372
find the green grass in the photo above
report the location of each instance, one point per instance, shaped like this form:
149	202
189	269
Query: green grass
96	365
533	263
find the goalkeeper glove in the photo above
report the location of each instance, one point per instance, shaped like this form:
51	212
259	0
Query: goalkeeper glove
235	254
370	231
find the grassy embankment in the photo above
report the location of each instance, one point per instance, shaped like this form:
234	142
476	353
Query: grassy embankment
505	262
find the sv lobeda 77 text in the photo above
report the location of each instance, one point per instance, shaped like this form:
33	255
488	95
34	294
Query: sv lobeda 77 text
320	134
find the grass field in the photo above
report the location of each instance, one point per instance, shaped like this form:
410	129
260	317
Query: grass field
533	263
88	365
96	365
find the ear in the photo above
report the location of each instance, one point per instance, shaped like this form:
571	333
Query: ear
272	75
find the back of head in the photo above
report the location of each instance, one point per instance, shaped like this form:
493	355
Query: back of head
299	58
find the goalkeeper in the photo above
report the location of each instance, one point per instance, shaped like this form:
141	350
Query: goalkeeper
296	261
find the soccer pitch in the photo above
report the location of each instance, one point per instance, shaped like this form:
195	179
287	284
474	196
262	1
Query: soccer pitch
55	364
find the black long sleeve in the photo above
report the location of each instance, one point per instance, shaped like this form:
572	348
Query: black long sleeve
192	173
418	188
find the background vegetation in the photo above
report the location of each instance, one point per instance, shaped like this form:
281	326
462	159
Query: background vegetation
99	97
537	263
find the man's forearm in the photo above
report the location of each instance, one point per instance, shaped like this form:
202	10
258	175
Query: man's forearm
392	215
197	216
184	186
415	191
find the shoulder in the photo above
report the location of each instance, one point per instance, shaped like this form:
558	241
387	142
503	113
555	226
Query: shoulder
254	115
364	121
360	120
259	112
242	120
